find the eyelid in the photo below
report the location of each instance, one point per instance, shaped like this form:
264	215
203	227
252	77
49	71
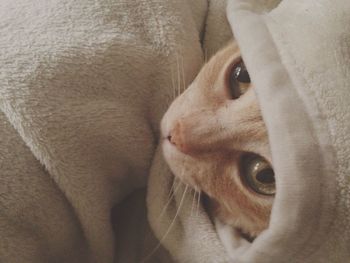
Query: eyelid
229	68
227	75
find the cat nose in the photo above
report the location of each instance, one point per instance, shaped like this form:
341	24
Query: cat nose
172	139
176	138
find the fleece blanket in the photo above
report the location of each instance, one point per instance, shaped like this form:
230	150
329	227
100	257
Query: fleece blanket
300	64
83	86
298	55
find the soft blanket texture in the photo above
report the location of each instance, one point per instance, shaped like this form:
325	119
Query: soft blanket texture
83	85
298	54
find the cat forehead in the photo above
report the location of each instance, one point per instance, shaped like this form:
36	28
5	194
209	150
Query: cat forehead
225	56
218	64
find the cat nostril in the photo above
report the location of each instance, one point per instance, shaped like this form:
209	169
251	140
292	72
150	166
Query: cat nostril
170	139
173	139
176	138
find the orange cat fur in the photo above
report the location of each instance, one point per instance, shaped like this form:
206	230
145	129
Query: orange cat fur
214	138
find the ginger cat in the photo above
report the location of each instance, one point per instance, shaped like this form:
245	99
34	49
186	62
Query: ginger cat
215	140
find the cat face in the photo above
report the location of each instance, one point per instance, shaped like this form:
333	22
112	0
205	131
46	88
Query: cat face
215	140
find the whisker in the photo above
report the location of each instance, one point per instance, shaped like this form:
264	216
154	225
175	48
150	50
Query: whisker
198	201
169	228
172	187
173	83
183	75
205	55
176	214
193	201
178	76
170	198
171	192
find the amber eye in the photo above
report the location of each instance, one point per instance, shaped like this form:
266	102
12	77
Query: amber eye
258	175
239	79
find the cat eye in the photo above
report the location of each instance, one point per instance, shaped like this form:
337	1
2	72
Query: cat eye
239	79
258	175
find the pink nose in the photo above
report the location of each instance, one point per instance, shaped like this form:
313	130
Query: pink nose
176	138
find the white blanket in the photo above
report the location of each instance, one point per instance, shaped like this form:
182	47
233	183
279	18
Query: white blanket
298	54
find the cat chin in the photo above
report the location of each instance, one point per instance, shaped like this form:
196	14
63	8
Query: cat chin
170	153
232	239
176	161
245	235
243	227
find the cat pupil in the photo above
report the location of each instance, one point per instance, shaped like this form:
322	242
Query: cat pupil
266	176
239	78
258	174
241	74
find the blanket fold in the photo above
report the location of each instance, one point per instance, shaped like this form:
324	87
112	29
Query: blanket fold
83	86
297	53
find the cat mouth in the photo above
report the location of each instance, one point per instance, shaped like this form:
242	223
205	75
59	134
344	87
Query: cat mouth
245	235
169	149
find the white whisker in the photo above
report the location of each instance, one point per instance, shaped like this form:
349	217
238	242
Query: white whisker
170	198
171	192
173	83
178	76
193	201
198	201
172	187
170	226
183	74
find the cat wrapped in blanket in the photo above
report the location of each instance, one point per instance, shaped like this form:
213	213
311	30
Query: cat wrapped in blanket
215	141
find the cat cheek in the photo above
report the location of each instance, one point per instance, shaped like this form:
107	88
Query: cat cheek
177	163
168	150
172	155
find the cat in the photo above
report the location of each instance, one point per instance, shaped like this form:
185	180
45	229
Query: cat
215	140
